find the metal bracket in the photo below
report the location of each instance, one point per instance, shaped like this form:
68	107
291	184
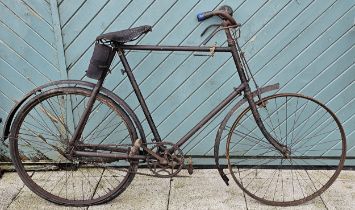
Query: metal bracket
212	49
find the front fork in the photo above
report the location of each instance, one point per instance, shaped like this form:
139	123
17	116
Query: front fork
248	94
279	146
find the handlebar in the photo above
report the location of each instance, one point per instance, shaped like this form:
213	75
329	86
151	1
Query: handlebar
224	12
204	16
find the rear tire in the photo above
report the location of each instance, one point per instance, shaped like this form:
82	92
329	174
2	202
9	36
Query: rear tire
39	141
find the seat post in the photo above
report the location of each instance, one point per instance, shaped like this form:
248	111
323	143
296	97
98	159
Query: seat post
139	95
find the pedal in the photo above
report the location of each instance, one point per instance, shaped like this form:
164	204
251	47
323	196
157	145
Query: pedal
190	168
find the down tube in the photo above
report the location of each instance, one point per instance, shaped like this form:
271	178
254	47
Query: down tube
210	115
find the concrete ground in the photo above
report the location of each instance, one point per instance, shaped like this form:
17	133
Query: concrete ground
203	190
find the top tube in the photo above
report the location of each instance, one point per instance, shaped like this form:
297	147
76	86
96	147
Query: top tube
174	48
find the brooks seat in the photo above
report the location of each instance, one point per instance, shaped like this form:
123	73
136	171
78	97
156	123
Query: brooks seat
126	35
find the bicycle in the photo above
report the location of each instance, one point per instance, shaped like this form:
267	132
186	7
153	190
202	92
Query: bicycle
283	149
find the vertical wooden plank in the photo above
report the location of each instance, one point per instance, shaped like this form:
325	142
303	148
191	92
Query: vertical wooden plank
59	40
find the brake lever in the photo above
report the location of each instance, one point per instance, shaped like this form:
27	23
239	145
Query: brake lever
218	28
210	26
212	33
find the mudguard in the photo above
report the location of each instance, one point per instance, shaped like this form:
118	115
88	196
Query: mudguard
224	122
73	83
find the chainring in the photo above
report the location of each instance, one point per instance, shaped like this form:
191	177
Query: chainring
173	156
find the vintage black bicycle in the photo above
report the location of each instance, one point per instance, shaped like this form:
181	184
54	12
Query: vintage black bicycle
77	143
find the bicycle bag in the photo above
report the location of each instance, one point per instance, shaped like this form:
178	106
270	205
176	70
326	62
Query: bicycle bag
100	61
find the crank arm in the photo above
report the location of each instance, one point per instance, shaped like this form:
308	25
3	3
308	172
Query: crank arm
161	160
138	144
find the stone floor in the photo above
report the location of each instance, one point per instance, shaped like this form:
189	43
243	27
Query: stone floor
203	190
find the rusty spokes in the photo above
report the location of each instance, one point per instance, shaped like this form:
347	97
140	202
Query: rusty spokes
44	159
311	133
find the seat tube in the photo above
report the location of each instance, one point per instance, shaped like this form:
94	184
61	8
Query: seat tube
89	106
139	94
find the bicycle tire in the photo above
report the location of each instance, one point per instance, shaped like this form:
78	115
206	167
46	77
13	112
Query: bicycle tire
102	181
312	133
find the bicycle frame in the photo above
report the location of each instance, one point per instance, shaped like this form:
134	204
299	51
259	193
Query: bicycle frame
46	135
243	87
141	100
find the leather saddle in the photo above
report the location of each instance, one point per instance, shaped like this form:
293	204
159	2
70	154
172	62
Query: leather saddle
126	35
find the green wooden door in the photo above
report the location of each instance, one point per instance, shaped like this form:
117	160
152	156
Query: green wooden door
307	46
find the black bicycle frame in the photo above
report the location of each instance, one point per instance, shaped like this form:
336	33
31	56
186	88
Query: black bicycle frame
244	86
141	100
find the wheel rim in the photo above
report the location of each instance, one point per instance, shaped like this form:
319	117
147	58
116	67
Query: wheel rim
39	138
312	133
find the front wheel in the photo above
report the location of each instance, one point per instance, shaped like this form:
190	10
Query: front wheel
312	134
41	154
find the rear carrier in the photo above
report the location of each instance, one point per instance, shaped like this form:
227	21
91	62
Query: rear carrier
100	61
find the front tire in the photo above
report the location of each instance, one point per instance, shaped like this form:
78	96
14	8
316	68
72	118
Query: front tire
311	132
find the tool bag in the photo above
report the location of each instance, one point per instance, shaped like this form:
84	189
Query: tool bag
100	61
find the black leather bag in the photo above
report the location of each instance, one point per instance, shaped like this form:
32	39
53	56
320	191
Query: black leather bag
100	61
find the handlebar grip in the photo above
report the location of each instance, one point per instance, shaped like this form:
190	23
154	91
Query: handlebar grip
204	15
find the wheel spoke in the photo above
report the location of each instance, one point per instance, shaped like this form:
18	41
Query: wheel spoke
310	132
43	130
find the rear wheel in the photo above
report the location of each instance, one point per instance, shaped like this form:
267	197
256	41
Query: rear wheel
312	134
39	147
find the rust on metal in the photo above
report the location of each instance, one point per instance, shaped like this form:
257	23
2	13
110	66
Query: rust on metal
163	158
